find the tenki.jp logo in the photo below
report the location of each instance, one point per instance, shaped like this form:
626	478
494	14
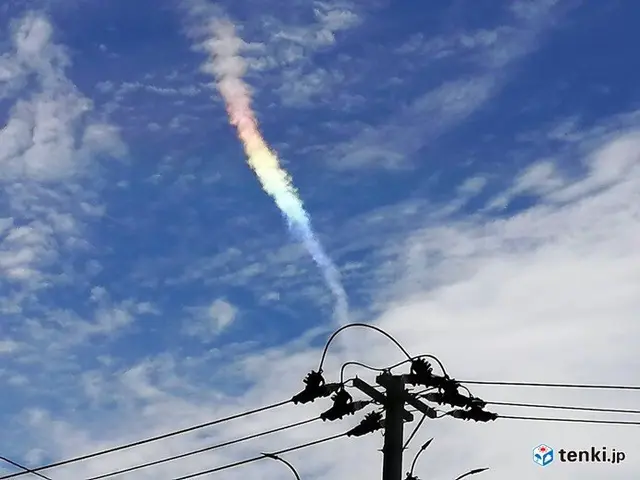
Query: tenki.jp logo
543	455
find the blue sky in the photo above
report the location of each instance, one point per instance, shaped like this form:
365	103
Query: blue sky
471	171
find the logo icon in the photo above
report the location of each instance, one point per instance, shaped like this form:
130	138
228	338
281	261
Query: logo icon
543	455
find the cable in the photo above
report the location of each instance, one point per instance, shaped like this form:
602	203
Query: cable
391	367
417	455
149	440
432	357
22	467
565	407
472	472
205	449
571	420
415	430
553	385
357	324
359	364
261	457
287	463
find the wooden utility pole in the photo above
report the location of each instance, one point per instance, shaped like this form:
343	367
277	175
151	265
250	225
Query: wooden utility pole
393	426
393	400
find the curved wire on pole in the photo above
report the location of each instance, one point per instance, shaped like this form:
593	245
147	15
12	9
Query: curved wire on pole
415	459
423	448
359	364
395	365
358	324
261	457
415	430
276	457
432	357
472	472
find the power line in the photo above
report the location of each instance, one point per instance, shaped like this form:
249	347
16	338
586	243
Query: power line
289	465
202	450
553	385
260	457
570	420
565	407
359	364
22	467
268	407
414	431
361	325
149	440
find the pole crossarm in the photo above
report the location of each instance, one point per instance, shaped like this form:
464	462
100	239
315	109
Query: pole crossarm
377	396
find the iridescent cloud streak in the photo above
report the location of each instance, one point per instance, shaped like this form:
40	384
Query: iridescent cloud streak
228	67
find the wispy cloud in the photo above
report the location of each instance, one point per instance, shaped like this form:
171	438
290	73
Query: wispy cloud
490	52
47	145
52	149
208	322
281	51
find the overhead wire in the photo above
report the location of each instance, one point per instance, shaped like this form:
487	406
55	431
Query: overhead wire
414	431
359	364
202	450
565	407
289	465
259	434
390	367
417	455
362	325
570	420
35	471
149	440
261	457
22	467
424	355
552	385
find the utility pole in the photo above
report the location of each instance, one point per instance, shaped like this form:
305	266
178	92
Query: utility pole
393	426
393	400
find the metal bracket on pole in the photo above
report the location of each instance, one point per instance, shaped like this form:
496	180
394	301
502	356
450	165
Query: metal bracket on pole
379	397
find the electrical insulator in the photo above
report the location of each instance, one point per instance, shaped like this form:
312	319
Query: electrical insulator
455	399
315	387
422	374
421	368
476	414
341	406
446	383
429	412
370	423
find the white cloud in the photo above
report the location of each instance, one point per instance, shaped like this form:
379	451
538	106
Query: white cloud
60	330
472	186
390	145
286	45
331	18
302	86
8	346
208	322
545	178
47	146
393	142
